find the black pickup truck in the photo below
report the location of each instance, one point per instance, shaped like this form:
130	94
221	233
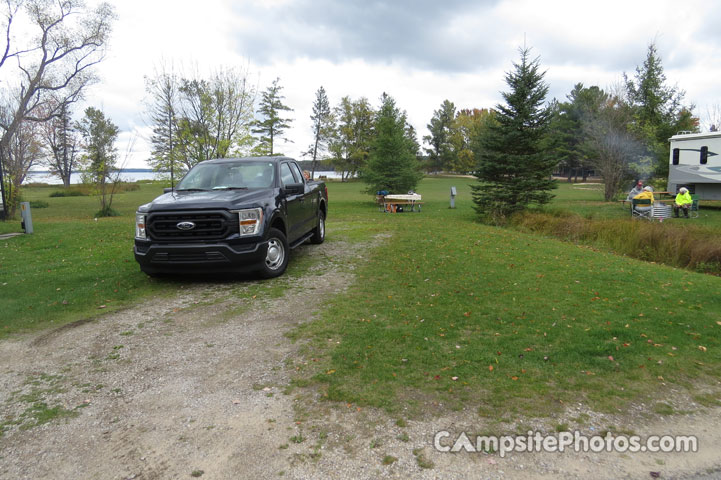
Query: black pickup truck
231	215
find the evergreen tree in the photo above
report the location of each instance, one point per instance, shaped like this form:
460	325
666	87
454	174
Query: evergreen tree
392	163
273	125
323	124
440	153
566	137
658	112
162	114
514	169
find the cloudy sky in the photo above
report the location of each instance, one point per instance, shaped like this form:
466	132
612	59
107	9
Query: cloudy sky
420	52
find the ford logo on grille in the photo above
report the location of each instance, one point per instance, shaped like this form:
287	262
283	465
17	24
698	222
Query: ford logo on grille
185	225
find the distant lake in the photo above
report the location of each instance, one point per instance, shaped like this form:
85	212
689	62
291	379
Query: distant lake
126	175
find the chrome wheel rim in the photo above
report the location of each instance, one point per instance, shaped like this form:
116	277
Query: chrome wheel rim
275	255
321	227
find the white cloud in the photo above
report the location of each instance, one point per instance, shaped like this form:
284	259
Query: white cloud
420	52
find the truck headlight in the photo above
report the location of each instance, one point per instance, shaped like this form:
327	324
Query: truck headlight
140	226
251	221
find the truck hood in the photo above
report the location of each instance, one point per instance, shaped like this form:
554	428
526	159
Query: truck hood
214	199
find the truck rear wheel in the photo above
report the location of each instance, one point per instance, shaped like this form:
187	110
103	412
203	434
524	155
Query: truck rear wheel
319	232
276	257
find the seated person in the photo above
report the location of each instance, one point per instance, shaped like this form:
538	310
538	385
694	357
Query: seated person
638	188
646	194
683	201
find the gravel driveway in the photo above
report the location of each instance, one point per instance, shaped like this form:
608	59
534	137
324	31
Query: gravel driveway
195	385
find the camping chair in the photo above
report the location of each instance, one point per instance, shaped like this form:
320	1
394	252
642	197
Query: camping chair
643	202
693	211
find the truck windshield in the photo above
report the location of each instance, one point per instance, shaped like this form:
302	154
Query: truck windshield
228	176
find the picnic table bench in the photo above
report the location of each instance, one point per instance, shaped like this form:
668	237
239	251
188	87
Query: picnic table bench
390	203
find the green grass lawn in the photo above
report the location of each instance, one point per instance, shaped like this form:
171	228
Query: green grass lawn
452	312
72	267
445	311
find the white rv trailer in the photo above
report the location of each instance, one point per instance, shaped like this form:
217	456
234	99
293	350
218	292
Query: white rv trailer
695	163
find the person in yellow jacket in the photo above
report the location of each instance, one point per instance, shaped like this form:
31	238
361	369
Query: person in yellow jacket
647	194
683	202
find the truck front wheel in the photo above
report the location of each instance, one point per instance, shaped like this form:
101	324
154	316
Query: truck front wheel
276	257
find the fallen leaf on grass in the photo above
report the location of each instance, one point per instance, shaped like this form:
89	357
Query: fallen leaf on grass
610	357
102	306
702	348
330	372
490	368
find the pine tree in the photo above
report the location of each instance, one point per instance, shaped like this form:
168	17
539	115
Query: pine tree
323	125
658	111
514	169
440	153
273	125
392	163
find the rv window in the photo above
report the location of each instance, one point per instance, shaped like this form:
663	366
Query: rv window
676	153
704	155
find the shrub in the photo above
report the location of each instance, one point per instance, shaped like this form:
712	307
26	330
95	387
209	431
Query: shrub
39	204
68	193
84	190
686	247
107	212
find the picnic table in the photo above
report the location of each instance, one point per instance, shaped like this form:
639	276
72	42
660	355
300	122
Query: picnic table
658	196
391	203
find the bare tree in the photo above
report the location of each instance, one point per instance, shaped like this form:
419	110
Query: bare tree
713	117
614	146
57	63
24	151
62	142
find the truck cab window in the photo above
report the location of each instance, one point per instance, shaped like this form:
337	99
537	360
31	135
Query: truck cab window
286	175
296	172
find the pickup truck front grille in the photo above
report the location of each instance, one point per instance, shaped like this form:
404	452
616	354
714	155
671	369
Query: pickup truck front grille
208	225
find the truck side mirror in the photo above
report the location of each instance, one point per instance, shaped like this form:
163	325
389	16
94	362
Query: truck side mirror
294	189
